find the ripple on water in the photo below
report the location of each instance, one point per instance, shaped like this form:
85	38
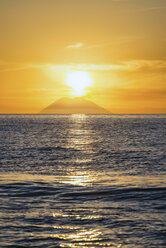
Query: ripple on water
89	181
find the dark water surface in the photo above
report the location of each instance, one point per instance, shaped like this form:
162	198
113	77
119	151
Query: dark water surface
83	181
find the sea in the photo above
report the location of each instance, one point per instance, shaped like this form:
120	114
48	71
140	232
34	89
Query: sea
80	181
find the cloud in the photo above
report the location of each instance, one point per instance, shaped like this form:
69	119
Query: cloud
133	94
5	67
133	65
141	94
82	45
120	40
76	45
149	9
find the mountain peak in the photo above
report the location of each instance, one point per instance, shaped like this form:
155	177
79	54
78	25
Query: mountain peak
77	105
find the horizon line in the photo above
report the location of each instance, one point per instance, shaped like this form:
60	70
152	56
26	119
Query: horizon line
84	114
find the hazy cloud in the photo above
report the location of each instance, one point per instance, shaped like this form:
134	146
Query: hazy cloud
134	94
140	94
133	65
148	9
4	66
76	45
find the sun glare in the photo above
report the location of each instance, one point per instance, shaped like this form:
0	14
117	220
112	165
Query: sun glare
78	81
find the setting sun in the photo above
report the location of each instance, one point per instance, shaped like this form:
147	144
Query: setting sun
78	81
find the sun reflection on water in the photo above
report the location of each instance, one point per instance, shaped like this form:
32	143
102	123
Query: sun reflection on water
80	216
78	180
84	238
80	138
82	235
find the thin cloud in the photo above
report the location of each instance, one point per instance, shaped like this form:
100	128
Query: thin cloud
5	67
76	45
97	45
82	45
137	94
148	9
133	65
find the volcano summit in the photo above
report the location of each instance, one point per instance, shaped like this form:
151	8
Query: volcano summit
76	105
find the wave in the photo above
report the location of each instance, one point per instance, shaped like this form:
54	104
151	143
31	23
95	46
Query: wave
121	194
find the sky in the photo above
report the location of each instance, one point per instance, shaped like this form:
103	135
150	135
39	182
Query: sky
120	44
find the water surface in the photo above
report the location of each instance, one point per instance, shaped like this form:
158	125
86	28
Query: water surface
83	181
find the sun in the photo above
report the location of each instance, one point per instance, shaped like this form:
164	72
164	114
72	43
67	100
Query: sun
78	81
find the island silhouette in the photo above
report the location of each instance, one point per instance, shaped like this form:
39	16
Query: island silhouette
77	105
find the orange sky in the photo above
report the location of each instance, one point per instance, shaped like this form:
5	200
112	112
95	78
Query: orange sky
120	43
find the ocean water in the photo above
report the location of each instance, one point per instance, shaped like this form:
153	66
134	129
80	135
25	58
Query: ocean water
83	181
